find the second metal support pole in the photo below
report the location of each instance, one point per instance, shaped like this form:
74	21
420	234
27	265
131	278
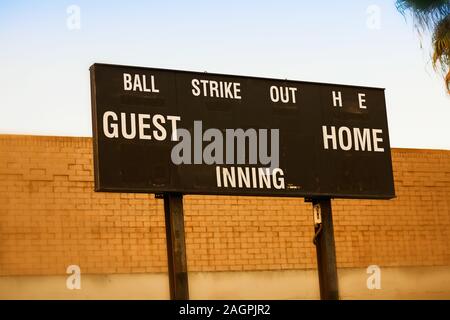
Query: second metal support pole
325	249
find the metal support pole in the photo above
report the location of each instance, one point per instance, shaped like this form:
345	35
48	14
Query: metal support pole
176	246
325	248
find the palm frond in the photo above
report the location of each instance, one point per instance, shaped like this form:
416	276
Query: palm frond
426	13
447	82
441	48
441	42
434	16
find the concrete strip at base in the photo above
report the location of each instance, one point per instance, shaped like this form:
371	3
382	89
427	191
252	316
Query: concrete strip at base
298	284
113	286
396	283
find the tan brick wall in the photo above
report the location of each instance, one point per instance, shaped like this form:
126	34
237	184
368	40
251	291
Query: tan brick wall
51	218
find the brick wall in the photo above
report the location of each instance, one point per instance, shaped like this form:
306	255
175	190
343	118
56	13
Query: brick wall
51	218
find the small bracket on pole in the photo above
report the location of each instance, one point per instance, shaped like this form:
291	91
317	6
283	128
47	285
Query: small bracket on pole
317	215
317	221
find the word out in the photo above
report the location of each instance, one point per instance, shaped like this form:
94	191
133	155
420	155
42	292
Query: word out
283	94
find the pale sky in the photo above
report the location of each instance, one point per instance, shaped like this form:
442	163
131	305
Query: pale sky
45	57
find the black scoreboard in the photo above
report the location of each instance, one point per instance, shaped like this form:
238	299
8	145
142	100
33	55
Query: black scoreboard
157	130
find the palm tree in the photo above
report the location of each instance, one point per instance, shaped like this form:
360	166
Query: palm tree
433	16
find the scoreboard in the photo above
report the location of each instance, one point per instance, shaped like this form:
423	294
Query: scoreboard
158	130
